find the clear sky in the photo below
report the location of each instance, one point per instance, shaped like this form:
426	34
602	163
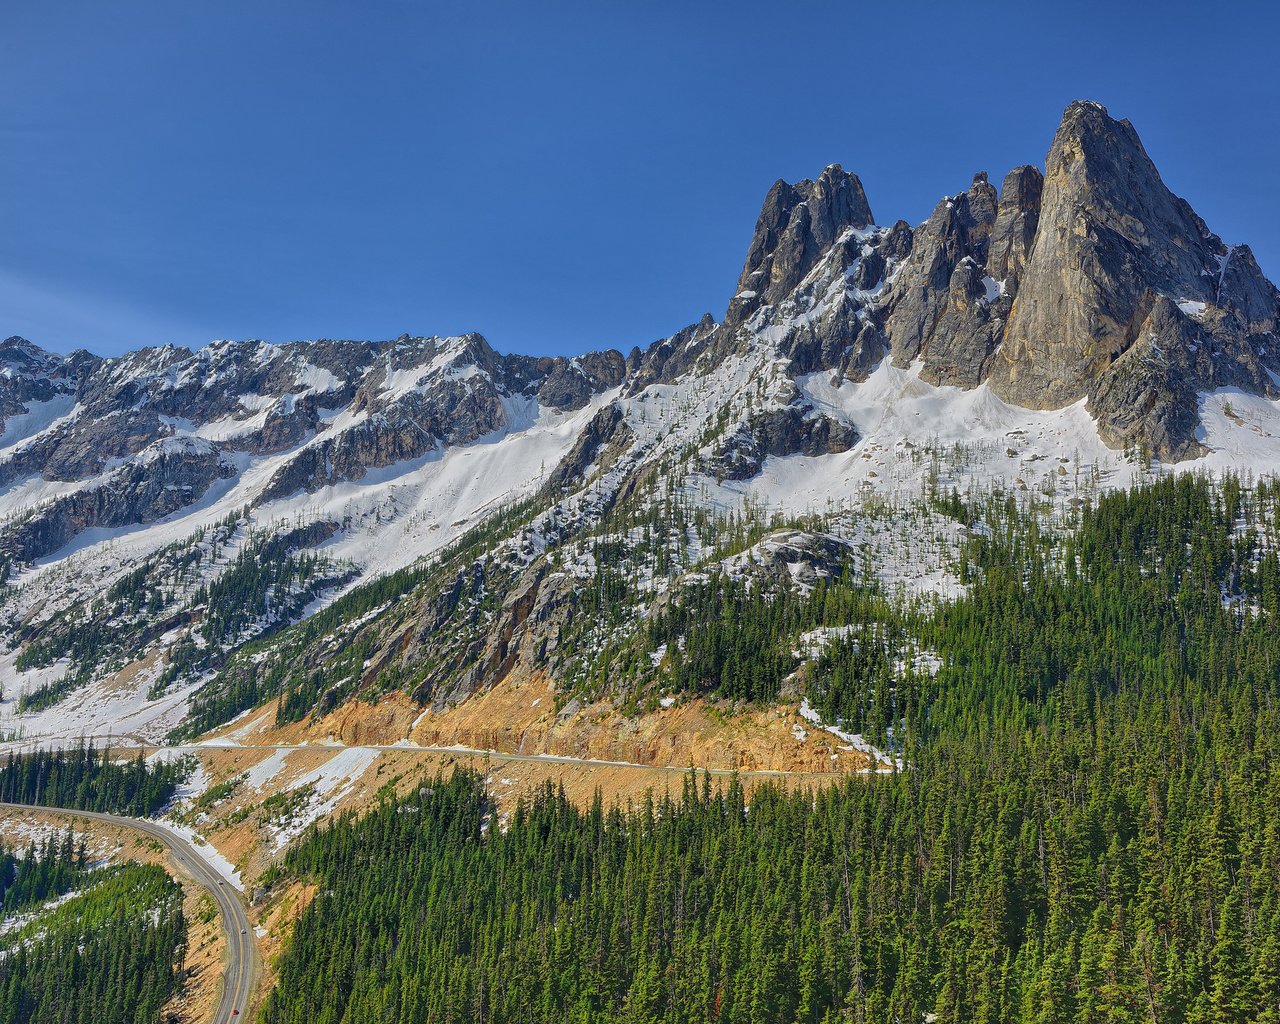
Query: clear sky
559	177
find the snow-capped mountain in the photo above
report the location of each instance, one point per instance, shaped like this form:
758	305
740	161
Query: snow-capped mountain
168	514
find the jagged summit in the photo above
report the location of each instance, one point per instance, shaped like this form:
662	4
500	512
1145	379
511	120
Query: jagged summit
1089	281
18	353
798	224
1128	298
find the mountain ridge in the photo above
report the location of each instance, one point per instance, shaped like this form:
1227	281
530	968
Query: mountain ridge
854	363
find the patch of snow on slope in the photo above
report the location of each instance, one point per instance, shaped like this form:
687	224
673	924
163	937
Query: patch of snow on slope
316	379
206	850
330	782
39	417
814	642
110	706
194	785
393	517
266	769
913	435
973	440
986	440
22	496
854	740
1241	431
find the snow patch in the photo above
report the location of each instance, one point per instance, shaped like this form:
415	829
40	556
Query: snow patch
854	740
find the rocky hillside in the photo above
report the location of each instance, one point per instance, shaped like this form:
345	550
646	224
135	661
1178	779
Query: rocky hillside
188	534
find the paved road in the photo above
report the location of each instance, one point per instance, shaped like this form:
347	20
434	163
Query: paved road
492	755
128	744
237	982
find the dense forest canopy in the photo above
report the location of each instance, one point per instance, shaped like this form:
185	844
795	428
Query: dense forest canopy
1085	829
86	944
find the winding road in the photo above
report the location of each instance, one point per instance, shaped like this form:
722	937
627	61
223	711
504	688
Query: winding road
495	756
237	981
242	962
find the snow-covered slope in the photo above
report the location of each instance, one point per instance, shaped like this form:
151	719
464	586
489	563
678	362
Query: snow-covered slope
911	436
85	535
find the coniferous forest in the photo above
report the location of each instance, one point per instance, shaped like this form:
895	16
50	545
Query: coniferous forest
41	873
1086	828
86	779
110	951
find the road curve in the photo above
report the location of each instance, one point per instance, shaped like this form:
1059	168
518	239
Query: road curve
237	980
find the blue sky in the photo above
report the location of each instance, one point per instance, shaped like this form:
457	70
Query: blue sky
559	177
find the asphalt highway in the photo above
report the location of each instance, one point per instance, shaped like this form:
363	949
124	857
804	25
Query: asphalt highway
237	982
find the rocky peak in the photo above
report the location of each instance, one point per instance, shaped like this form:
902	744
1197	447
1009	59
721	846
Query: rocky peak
19	357
1017	218
16	348
571	383
798	224
959	229
978	213
30	374
667	358
1109	233
469	349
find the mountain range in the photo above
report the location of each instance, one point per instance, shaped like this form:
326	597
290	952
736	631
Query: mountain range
188	534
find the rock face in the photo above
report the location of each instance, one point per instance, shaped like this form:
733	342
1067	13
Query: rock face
572	383
780	432
1117	258
606	431
1109	233
791	427
1017	219
167	476
797	226
940	308
1148	396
